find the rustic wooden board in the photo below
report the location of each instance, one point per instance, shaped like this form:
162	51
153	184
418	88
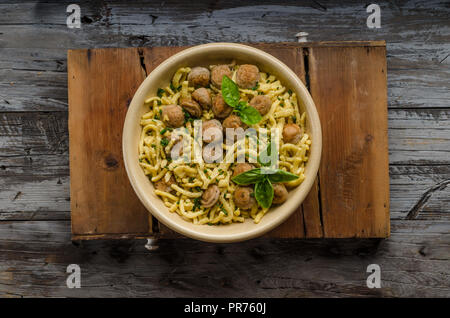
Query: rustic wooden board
348	85
103	204
307	221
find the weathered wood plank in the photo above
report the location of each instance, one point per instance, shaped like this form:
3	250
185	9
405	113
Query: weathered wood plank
352	105
102	200
414	262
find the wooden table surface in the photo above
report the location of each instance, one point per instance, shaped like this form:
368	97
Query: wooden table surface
35	246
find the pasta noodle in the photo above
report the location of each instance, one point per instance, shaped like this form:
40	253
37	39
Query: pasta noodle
191	179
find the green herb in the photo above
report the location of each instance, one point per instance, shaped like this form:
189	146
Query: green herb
197	204
172	87
264	193
223	210
163	131
158	102
187	117
249	177
164	142
263	179
256	87
160	92
153	145
290	91
230	93
294	119
248	114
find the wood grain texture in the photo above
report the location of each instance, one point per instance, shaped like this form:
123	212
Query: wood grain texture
34	162
307	220
414	263
348	86
101	85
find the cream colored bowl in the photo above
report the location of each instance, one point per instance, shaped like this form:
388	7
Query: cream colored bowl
205	55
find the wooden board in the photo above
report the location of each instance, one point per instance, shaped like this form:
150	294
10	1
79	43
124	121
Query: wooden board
350	198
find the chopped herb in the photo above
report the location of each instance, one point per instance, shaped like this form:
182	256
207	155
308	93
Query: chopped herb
153	145
197	204
256	87
294	119
290	91
160	92
159	102
191	179
163	131
223	210
172	87
205	171
164	142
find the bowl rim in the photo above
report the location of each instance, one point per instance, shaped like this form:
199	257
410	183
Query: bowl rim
313	162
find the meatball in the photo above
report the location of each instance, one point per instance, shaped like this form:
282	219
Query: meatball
163	185
279	193
211	129
292	133
218	73
233	122
241	168
210	196
262	103
199	76
173	115
191	106
247	76
202	96
220	108
244	198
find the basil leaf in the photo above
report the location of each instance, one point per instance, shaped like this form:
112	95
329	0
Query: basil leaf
266	154
249	115
249	177
230	91
264	193
281	176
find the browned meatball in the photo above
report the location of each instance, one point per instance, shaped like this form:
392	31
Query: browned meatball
218	73
211	129
203	97
292	133
262	103
241	168
191	106
173	115
233	121
162	185
244	198
247	76
199	76
220	108
210	196
279	193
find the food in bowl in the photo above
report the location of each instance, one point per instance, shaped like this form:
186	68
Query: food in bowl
205	111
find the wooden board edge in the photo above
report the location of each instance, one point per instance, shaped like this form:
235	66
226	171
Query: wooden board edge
280	44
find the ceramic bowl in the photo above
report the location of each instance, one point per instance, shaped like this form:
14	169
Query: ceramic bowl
205	55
